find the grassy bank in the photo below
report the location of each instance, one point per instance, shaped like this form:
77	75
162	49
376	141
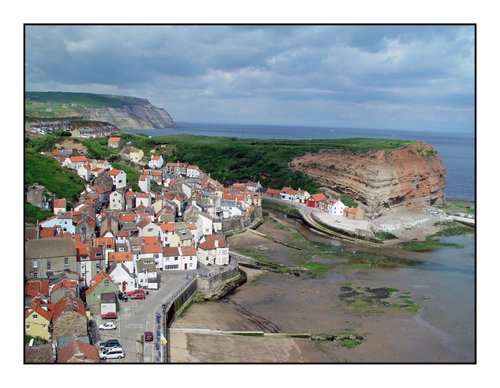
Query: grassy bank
48	172
32	214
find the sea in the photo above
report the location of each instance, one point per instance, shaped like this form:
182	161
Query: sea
457	150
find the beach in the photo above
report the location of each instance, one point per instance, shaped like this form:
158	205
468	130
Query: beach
440	330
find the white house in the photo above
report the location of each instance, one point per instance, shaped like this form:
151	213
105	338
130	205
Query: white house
230	209
122	277
125	258
151	249
302	196
193	171
75	162
147	275
119	178
336	207
143	199
116	201
59	206
213	250
148	229
288	194
156	161
84	172
183	258
65	221
145	183
168	236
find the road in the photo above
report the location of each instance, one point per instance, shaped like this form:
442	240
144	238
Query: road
137	316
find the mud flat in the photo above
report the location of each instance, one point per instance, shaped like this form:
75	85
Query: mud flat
425	313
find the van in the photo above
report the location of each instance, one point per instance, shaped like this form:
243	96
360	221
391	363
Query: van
111	353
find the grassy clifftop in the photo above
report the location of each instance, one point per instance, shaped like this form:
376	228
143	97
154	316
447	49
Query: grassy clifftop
63	104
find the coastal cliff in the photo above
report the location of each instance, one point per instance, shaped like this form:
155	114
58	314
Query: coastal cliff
121	111
136	113
413	175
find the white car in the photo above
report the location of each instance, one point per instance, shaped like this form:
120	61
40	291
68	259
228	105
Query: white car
111	353
107	326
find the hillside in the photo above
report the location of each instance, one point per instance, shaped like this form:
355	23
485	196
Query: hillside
121	111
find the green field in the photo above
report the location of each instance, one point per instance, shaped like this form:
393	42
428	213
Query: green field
64	104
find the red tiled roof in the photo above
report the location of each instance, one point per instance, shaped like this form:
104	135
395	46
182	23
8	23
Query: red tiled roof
106	241
142	195
114	172
156	157
352	210
35	287
209	242
81	248
78	158
156	173
127	217
273	191
188	251
96	281
289	190
60	203
123	233
151	245
120	256
192	226
68	303
66	283
319	197
171	251
77	352
36	307
167	227
47	232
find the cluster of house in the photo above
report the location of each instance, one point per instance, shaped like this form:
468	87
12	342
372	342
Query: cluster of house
57	320
331	206
85	132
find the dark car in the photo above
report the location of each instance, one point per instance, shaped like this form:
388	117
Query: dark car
148	336
122	296
109	315
111	343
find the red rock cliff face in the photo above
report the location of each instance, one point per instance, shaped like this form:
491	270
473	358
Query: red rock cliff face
413	175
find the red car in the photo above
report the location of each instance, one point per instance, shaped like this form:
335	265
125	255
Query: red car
137	294
109	315
148	336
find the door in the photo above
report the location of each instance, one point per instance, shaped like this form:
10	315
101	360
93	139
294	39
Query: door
185	266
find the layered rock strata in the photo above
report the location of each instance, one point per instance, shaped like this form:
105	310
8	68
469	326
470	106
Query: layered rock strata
413	175
136	113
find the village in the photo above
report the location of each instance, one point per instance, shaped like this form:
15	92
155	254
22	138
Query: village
114	244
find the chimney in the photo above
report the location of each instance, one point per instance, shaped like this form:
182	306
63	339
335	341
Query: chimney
216	242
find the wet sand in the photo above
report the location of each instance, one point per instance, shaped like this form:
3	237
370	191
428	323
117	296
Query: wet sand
442	330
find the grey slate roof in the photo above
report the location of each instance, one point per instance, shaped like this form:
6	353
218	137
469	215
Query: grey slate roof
46	248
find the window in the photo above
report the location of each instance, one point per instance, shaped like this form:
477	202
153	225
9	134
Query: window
66	261
49	266
35	263
35	316
28	327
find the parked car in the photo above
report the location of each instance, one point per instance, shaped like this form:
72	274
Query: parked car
110	344
137	294
111	353
107	326
109	315
148	336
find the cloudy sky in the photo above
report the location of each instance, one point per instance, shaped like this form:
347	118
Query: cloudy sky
391	77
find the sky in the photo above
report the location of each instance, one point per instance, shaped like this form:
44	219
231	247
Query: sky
379	76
